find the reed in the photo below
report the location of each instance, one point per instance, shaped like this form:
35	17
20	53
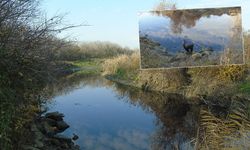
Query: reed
230	132
121	65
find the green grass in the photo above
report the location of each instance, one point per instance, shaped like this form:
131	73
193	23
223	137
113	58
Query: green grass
89	72
90	66
87	63
120	73
245	87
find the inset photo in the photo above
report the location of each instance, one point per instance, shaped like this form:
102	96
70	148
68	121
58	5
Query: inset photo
191	38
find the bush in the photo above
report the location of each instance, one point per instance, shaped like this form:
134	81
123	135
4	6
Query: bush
232	73
27	49
215	80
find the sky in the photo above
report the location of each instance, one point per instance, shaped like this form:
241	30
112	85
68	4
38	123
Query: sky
117	21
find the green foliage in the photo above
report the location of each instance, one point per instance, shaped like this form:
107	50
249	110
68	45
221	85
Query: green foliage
120	73
216	80
87	63
90	66
245	87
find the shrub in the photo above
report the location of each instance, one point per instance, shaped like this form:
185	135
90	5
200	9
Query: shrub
232	73
215	80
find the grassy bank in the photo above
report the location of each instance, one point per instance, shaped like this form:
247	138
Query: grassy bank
192	82
86	66
122	67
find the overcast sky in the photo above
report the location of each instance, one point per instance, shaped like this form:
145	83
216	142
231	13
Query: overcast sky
117	21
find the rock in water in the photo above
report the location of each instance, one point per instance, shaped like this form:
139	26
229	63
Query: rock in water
55	116
75	137
61	126
51	122
63	138
49	130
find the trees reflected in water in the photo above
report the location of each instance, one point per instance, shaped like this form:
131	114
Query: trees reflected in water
179	124
189	17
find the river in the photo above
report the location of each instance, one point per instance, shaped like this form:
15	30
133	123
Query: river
106	115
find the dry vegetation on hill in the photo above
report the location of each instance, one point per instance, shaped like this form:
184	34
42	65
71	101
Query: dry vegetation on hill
89	50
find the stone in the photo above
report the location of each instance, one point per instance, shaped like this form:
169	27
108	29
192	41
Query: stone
51	122
65	146
179	56
75	137
55	116
54	141
63	138
61	126
206	53
49	130
196	56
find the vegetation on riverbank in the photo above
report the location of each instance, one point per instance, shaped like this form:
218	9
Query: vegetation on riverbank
192	82
88	67
32	56
25	67
123	66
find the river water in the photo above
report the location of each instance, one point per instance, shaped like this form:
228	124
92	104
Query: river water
109	116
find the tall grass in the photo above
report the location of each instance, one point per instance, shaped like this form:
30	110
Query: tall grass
127	67
231	132
122	66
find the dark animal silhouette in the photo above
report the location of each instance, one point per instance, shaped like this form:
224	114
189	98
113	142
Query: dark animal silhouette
188	45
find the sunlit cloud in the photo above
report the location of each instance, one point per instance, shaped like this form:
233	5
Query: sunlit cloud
122	140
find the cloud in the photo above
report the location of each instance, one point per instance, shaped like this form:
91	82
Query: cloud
123	140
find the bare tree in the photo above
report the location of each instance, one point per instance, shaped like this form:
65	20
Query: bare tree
28	41
164	5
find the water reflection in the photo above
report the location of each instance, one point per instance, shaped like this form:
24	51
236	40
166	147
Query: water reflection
212	34
106	115
176	121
